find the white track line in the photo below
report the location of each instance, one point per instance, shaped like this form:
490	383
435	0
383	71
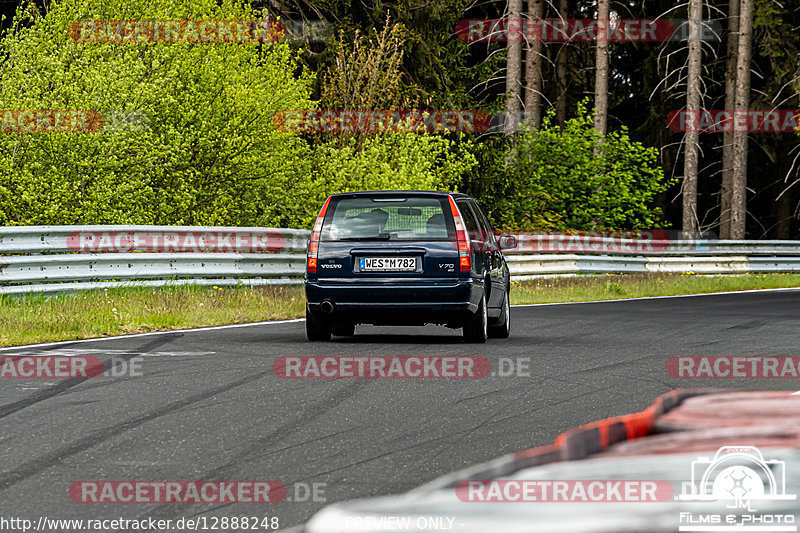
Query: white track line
789	289
152	333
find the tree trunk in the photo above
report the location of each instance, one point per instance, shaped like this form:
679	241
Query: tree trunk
561	71
601	70
727	137
693	106
784	215
742	102
513	66
533	69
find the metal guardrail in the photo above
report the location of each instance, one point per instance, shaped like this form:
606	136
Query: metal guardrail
49	273
528	267
588	244
48	259
52	239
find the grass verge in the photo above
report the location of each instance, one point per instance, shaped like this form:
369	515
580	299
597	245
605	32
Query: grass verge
614	287
135	310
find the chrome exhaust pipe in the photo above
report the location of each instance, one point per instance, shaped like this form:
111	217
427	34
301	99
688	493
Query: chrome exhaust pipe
326	307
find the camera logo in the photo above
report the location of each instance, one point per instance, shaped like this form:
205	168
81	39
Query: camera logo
737	476
737	473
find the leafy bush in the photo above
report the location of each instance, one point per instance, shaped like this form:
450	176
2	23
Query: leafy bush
571	179
206	152
393	161
203	149
369	75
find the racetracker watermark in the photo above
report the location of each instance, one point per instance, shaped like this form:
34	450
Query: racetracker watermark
584	30
394	523
623	242
200	523
50	121
128	121
50	367
308	31
67	367
382	367
552	491
720	121
176	31
379	121
176	241
738	367
216	492
634	241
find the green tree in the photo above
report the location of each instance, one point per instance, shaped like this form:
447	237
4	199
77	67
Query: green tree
208	152
576	179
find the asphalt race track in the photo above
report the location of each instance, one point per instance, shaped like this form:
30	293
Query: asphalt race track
206	405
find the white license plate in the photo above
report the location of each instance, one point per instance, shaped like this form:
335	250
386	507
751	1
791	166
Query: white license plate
387	264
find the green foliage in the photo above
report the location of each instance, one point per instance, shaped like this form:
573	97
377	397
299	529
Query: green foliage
208	153
779	43
441	71
393	161
449	72
368	72
573	179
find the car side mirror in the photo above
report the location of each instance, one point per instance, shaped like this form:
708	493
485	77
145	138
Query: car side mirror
507	242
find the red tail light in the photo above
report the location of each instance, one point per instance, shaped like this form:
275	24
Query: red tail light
464	252
313	244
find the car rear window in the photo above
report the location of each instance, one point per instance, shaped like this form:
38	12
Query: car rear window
409	218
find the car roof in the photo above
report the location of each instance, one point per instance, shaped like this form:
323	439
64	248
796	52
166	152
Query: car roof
398	193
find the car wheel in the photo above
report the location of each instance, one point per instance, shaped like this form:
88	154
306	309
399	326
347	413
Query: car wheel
476	326
503	329
344	330
317	328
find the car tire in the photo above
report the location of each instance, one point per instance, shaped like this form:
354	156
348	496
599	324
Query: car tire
503	329
476	325
317	327
344	330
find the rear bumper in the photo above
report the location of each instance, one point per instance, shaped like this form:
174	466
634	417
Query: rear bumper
396	302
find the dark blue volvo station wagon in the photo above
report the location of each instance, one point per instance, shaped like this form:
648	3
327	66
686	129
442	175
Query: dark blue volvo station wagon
406	258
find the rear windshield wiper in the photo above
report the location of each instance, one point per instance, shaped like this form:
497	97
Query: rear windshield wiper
379	237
